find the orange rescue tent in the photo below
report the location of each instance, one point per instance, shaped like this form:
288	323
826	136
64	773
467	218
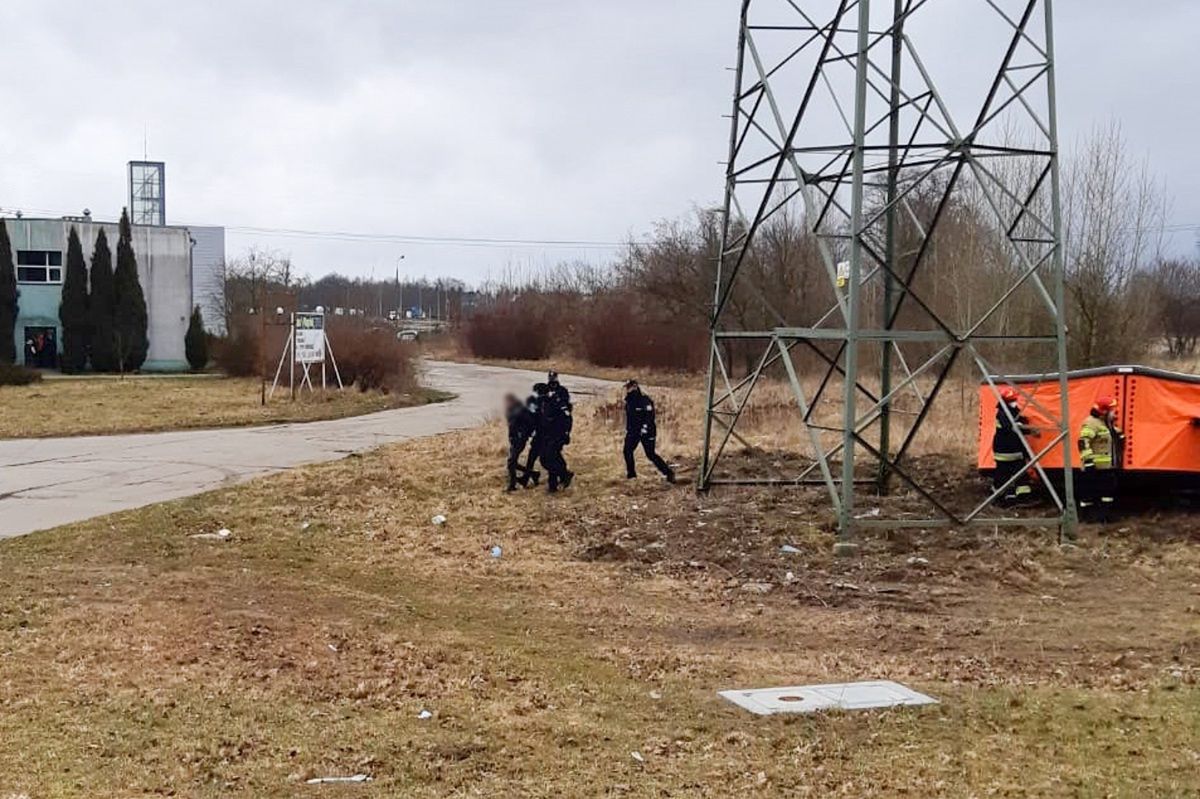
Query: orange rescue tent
1158	410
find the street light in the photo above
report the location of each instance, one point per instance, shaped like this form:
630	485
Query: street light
399	291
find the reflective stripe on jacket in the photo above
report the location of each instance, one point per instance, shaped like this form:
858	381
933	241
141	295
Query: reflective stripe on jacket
1096	445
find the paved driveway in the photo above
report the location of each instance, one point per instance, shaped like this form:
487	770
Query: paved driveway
48	482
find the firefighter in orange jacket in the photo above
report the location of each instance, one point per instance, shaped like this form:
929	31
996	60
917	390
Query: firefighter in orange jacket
1100	445
1008	449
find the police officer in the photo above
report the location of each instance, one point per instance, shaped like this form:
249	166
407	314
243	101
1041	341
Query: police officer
1008	448
534	406
521	426
558	392
641	428
1100	446
554	431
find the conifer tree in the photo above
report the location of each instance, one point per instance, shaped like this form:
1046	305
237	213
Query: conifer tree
101	302
130	320
195	343
73	310
8	299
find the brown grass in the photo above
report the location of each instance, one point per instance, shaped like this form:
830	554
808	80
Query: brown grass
137	660
102	406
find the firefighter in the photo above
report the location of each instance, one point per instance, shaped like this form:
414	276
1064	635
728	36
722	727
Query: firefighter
554	430
640	428
1008	449
521	426
1100	445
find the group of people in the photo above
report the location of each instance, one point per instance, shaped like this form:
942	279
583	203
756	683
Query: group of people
41	349
1100	442
543	423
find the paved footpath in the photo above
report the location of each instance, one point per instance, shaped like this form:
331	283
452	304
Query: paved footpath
48	482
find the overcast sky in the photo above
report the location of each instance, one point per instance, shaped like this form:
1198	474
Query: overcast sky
523	119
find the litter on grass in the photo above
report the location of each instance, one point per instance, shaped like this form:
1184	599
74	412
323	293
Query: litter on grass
438	520
219	535
835	696
788	549
322	780
497	552
424	715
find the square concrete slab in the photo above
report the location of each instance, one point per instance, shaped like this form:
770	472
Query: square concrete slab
835	696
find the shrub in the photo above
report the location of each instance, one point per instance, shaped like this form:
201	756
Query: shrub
371	357
195	342
237	354
14	375
520	329
616	333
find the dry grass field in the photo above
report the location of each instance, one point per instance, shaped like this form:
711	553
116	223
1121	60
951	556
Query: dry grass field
103	406
138	660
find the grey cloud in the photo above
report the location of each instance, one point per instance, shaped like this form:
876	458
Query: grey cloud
570	119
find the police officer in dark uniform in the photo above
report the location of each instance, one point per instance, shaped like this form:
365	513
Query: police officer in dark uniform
535	443
558	392
641	428
521	426
554	430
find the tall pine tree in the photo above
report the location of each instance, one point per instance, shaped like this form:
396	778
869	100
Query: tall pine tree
8	299
101	303
73	310
195	343
130	320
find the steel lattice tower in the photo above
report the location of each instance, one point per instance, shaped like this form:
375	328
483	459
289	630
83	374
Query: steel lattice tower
839	118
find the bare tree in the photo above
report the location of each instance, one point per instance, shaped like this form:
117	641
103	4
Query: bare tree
245	281
1176	288
1114	213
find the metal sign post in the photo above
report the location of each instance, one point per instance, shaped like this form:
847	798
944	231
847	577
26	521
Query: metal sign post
307	345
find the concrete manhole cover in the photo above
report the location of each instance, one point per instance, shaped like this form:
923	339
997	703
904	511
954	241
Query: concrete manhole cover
835	696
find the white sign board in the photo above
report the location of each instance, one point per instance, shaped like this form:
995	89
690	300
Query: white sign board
310	338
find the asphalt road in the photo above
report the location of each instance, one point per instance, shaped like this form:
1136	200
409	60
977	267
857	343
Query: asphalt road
45	483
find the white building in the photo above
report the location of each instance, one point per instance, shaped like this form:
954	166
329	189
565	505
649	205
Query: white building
164	259
208	278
